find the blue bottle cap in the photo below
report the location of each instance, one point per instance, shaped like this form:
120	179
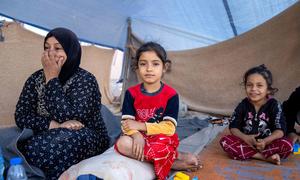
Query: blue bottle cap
15	161
195	178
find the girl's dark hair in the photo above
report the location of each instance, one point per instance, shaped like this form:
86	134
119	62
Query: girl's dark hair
155	47
265	73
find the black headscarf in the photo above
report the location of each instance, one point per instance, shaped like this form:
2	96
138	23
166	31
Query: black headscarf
71	46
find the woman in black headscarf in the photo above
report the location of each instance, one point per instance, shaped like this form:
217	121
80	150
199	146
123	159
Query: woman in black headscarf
61	104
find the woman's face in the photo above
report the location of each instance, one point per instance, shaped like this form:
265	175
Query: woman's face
55	48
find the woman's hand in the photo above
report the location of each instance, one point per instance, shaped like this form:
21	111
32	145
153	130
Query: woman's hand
138	146
52	64
53	125
71	124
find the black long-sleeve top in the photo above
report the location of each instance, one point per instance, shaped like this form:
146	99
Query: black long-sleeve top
268	118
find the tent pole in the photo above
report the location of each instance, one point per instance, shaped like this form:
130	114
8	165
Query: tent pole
126	63
129	76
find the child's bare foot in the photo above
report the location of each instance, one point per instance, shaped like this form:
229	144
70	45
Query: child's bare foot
187	162
275	159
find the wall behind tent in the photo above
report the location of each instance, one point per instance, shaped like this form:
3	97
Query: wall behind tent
20	56
209	79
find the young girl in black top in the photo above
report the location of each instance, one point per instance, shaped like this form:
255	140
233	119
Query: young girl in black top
257	125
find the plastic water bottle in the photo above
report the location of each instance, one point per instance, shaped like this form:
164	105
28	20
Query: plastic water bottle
16	170
2	167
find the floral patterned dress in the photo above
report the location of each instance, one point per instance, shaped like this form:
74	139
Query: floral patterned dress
56	150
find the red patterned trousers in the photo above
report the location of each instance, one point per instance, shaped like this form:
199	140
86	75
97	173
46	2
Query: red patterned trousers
161	150
238	149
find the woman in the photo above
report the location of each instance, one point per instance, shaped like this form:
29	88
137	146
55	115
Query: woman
291	109
61	103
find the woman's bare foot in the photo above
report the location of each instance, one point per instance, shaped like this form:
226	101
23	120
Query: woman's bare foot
275	159
187	162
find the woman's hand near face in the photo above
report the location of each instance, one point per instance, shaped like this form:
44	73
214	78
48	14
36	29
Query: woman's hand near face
52	64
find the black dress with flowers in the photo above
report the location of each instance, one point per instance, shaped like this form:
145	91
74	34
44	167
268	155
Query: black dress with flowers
56	150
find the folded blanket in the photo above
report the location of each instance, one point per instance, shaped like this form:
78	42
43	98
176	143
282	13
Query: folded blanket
111	166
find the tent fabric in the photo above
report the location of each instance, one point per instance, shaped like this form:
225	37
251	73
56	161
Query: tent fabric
20	55
176	24
255	12
209	79
98	62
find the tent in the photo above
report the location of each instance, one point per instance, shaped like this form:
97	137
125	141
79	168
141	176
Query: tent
208	42
207	78
176	24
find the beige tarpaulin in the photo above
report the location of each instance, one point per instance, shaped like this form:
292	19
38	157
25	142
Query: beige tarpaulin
20	55
209	79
